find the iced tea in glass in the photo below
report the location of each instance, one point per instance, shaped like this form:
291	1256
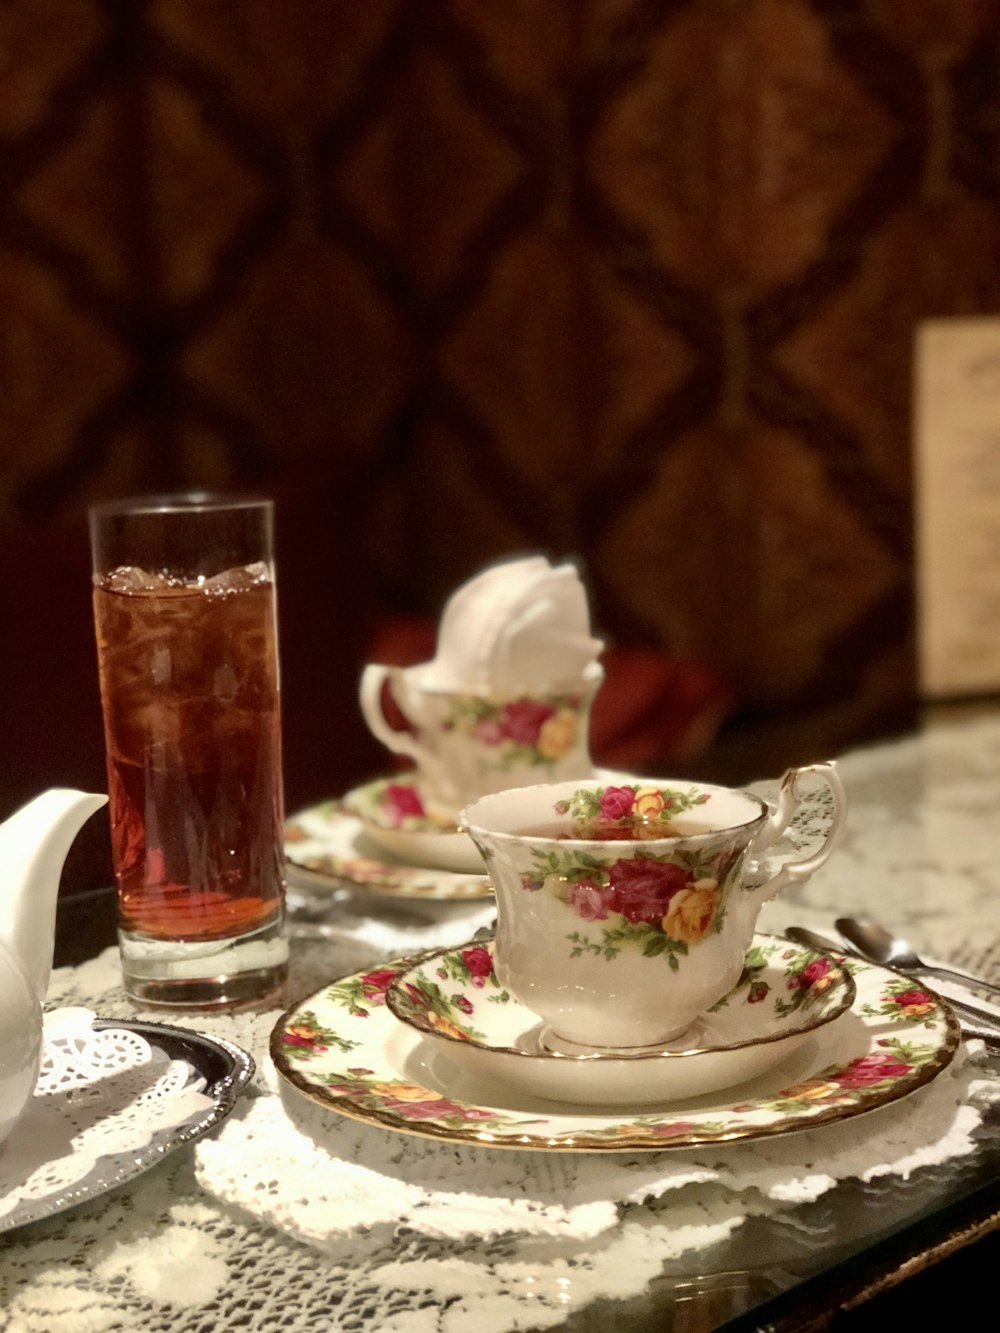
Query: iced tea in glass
184	608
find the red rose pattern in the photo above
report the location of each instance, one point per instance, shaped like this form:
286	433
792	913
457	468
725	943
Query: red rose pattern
401	801
812	972
375	984
871	1069
673	1128
913	997
641	889
616	802
478	961
521	720
590	901
432	1110
309	1041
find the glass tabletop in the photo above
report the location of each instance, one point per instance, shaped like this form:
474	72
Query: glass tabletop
858	1244
921	847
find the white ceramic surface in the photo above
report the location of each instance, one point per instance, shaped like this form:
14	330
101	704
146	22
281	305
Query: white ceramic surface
468	744
625	910
784	996
33	845
394	818
344	1048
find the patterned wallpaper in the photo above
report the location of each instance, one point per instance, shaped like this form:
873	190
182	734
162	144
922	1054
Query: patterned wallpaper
634	280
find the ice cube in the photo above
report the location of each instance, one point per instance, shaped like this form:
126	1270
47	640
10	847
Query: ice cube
129	578
238	580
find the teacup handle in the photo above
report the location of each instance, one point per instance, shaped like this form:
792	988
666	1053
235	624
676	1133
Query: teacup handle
794	872
373	677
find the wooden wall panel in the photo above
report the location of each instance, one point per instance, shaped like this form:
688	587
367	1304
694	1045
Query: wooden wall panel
635	280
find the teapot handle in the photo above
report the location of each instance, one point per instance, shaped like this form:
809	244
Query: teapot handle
789	799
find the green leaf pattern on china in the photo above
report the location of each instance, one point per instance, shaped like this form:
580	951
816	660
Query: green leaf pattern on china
906	999
306	1038
430	1007
585	803
519	733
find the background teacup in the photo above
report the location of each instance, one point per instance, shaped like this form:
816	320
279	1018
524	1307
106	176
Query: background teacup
466	745
625	911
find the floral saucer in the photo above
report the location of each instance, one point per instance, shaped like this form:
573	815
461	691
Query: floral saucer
345	1049
783	997
394	816
332	848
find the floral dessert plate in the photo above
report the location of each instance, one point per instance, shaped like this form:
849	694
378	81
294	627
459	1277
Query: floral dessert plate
344	1048
332	848
395	819
784	995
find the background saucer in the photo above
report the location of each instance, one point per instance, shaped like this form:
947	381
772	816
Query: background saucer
332	849
393	815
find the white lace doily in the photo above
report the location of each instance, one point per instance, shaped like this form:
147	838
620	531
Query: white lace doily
326	1179
183	1252
102	1094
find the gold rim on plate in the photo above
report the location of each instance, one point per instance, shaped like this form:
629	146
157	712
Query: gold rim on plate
342	1047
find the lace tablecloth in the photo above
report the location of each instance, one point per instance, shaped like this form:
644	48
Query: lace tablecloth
291	1217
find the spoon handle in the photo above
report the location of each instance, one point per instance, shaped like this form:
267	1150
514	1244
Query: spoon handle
961	978
889	951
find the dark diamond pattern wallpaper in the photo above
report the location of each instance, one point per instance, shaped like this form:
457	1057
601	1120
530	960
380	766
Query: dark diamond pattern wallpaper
631	280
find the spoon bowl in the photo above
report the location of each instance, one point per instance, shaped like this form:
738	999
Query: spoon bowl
880	946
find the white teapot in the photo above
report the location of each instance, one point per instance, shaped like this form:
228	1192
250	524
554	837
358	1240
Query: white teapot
33	845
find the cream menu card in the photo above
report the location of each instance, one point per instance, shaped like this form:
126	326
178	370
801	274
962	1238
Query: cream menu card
957	498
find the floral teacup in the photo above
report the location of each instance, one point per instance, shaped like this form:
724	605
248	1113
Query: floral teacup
625	911
468	745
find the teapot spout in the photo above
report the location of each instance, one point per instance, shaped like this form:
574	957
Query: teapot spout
33	846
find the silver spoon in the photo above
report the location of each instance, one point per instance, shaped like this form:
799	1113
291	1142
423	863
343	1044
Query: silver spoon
985	1022
811	939
874	942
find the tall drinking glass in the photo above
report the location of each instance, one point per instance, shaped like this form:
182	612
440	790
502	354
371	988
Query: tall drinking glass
184	609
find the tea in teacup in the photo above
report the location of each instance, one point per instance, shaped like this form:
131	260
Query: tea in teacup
625	910
632	813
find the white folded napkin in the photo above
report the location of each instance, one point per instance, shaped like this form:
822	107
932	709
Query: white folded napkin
522	625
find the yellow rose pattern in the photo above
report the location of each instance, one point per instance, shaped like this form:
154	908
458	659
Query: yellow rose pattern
690	912
534	731
899	1056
